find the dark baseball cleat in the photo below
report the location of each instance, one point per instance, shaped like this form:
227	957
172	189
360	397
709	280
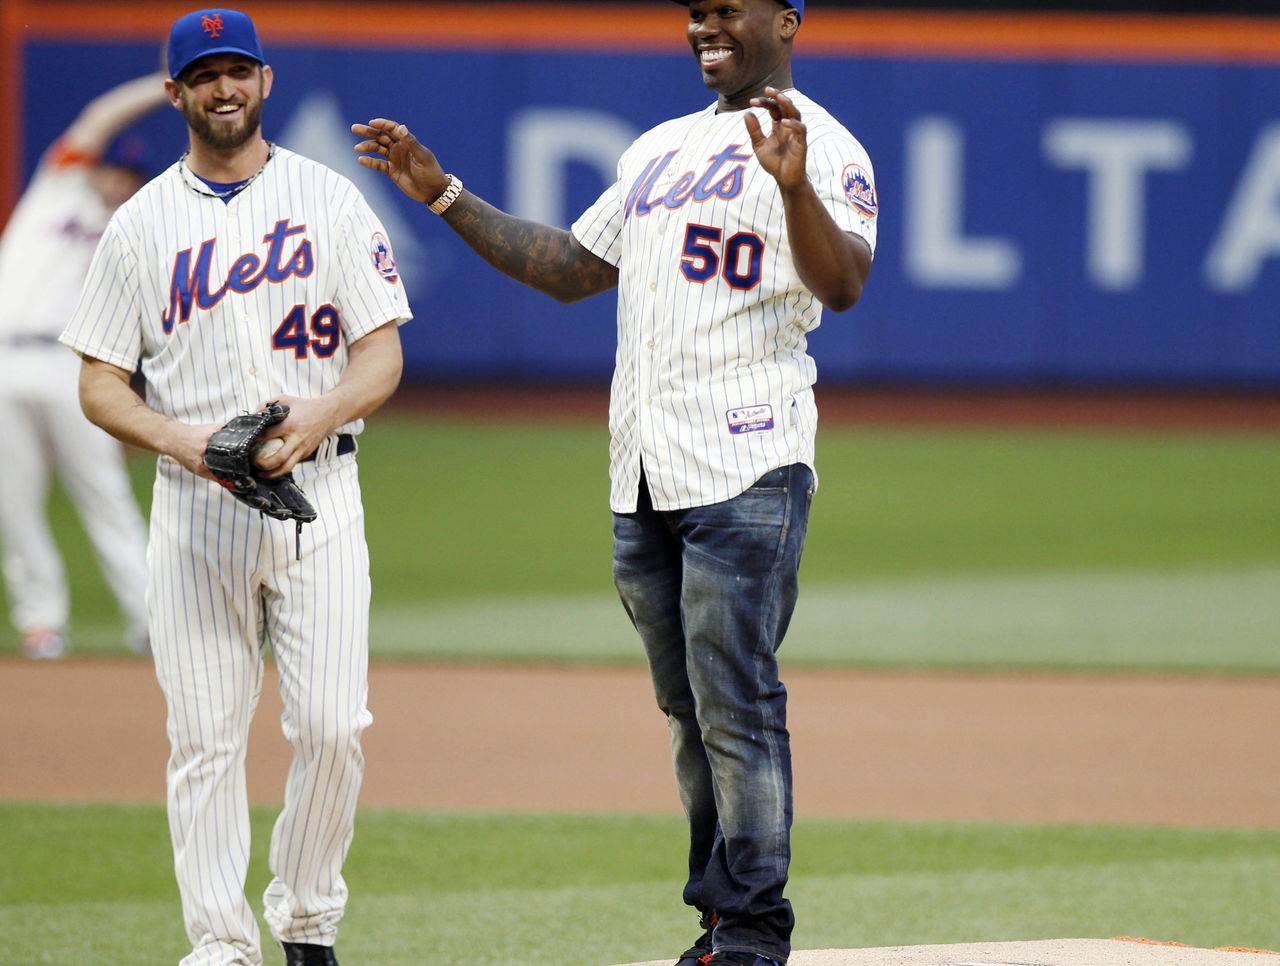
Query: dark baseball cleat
700	951
308	954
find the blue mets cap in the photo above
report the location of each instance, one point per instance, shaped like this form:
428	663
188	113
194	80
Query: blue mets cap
204	32
797	5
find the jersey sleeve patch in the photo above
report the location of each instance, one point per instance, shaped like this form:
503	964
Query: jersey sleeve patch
860	190
384	259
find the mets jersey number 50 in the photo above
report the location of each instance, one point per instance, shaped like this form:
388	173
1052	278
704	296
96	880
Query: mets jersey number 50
740	264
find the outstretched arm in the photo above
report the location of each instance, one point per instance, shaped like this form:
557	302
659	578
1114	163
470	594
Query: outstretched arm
111	112
833	264
543	257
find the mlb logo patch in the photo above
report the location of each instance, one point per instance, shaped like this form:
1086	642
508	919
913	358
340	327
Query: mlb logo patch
384	260
749	419
859	189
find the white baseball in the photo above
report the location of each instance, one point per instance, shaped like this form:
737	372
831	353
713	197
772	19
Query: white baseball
268	447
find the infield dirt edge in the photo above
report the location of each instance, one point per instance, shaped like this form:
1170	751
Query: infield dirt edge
1048	952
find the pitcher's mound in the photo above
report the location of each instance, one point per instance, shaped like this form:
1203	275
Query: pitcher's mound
1051	952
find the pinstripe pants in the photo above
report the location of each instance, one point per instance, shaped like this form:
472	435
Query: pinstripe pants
224	582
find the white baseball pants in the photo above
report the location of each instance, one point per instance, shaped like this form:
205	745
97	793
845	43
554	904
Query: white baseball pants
225	581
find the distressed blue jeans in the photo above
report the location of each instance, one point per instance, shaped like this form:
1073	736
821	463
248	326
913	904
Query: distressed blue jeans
711	591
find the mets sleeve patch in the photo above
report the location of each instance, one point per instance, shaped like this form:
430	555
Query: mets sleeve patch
384	259
860	190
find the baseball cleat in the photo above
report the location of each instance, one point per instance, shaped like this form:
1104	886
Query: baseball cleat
308	954
44	643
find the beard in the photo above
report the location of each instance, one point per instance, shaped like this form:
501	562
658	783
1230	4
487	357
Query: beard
221	136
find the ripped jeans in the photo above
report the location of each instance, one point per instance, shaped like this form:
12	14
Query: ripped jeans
711	591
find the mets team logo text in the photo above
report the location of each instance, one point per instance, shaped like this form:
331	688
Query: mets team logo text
189	287
859	189
212	25
716	181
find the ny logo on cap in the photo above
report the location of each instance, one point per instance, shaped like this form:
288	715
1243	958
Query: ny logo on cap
212	25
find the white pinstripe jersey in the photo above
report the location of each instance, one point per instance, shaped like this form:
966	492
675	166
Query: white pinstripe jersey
712	386
230	305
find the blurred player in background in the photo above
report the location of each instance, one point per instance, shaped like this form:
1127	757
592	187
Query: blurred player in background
44	255
726	234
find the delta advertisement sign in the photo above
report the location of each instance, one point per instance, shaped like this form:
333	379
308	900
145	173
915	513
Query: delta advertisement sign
1041	220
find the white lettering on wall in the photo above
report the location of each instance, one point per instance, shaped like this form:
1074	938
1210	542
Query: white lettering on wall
1116	154
542	141
1250	231
936	252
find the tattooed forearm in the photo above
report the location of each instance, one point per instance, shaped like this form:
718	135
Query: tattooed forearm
540	256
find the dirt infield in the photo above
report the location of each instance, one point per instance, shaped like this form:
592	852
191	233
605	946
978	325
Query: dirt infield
1056	952
1123	749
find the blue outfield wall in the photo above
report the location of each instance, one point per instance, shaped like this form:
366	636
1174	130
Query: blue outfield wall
1047	222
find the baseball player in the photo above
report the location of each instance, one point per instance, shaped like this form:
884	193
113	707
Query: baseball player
245	274
44	255
726	234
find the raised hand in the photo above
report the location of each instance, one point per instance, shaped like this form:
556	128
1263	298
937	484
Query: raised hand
391	148
783	152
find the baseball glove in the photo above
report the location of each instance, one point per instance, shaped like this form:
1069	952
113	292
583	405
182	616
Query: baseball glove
229	455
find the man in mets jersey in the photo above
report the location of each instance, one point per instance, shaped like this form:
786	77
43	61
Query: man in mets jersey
246	274
726	234
44	254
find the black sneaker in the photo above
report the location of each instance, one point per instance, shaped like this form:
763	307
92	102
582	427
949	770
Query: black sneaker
308	954
700	951
739	957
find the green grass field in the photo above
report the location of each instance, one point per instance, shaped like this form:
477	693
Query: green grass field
497	890
927	548
963	548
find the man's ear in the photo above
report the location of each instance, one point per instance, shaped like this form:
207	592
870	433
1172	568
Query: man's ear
268	78
172	90
789	24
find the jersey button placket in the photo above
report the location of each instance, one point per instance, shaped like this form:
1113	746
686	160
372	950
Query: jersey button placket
228	313
248	336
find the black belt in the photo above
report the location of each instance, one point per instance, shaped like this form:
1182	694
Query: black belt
346	444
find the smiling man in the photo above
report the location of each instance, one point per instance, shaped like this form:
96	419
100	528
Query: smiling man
242	275
727	233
